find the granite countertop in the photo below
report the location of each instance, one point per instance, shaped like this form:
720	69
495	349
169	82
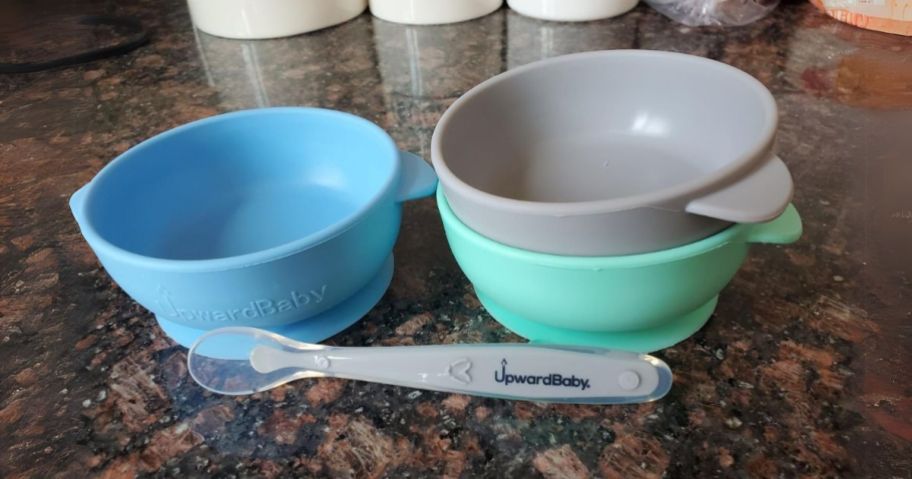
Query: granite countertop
803	370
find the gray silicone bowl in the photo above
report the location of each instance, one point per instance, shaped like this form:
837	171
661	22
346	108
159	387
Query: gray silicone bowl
611	153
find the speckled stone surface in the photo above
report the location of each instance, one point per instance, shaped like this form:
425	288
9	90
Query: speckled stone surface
802	372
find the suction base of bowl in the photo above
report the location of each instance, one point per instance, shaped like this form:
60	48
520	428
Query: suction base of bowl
313	329
643	341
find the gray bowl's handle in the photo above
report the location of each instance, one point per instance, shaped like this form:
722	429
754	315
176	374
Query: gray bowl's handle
417	179
760	196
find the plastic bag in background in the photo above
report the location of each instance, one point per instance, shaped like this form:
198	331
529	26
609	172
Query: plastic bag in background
724	13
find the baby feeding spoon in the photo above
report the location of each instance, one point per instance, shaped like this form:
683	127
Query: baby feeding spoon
241	360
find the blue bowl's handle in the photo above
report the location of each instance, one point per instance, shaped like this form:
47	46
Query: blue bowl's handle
77	203
784	229
417	179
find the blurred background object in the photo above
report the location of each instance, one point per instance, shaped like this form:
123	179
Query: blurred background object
891	16
251	19
722	13
43	35
572	10
432	12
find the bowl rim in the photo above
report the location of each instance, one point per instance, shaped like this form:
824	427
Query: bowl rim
735	234
108	249
751	158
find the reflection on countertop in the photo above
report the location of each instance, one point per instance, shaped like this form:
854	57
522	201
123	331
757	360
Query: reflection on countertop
801	372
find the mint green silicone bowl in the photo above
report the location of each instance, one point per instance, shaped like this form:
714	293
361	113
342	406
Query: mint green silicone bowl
639	302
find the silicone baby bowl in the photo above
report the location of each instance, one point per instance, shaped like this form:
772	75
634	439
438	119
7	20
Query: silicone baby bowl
610	153
640	303
280	218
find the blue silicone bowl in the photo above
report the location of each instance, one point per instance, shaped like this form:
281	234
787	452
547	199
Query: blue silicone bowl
279	218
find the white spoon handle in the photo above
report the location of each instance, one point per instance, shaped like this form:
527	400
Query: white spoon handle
512	371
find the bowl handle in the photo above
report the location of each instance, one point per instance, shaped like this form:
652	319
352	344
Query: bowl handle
785	229
417	179
77	203
760	196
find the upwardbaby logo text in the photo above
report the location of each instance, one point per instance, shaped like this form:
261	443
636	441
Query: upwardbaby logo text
550	379
257	308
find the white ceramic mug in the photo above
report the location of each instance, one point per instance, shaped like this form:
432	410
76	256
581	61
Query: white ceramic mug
255	19
430	12
572	10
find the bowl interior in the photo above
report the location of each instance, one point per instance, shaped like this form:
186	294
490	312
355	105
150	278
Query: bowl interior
241	183
605	125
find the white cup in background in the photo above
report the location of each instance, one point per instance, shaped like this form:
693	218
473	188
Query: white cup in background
255	19
572	10
430	12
